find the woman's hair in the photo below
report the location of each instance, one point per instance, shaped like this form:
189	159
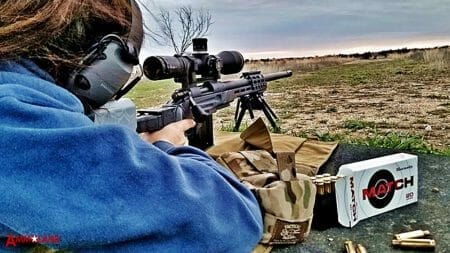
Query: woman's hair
56	34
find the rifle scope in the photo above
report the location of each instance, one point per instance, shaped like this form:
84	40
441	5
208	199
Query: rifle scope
197	63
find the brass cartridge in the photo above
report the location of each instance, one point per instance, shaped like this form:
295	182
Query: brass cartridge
320	187
360	248
412	234
327	184
349	248
415	243
333	182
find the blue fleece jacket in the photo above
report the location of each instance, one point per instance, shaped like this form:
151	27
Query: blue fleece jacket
102	188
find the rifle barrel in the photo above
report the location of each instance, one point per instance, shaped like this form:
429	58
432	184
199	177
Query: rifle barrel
277	75
229	85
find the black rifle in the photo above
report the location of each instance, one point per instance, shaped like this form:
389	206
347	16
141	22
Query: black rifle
200	102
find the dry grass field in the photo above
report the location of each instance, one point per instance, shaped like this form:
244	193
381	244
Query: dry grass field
396	100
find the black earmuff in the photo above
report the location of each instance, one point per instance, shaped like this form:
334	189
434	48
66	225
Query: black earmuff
108	65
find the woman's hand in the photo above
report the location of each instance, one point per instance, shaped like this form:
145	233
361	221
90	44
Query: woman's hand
172	133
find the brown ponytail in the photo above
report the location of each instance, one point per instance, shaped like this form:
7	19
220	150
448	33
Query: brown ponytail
57	33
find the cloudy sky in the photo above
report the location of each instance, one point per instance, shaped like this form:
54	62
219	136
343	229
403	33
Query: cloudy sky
293	28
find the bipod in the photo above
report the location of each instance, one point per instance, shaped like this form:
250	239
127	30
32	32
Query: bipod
250	103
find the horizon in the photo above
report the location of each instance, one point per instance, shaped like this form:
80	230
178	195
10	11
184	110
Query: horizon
421	45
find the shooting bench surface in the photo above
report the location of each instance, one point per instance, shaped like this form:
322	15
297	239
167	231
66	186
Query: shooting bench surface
376	233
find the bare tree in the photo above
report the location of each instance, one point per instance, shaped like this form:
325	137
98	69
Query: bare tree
179	33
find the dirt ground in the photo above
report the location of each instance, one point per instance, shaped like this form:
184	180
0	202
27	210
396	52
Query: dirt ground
418	105
416	108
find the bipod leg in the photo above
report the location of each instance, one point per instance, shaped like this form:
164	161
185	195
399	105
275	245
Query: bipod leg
268	108
244	106
250	108
270	115
236	114
239	120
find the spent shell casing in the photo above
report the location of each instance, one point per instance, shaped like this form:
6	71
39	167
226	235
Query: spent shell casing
415	243
327	185
412	234
360	248
349	248
320	187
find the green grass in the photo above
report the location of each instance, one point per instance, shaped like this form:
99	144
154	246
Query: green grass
401	141
392	140
229	126
397	140
152	93
379	72
355	124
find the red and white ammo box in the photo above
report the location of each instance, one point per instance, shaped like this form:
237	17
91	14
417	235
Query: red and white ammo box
375	186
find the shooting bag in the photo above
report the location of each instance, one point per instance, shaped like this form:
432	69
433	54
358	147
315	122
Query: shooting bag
310	154
285	197
276	168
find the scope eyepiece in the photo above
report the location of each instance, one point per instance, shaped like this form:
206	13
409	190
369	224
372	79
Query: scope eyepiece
164	67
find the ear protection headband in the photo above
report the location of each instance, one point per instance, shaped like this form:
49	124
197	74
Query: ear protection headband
108	65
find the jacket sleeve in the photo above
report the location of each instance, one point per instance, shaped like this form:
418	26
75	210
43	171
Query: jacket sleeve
102	188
